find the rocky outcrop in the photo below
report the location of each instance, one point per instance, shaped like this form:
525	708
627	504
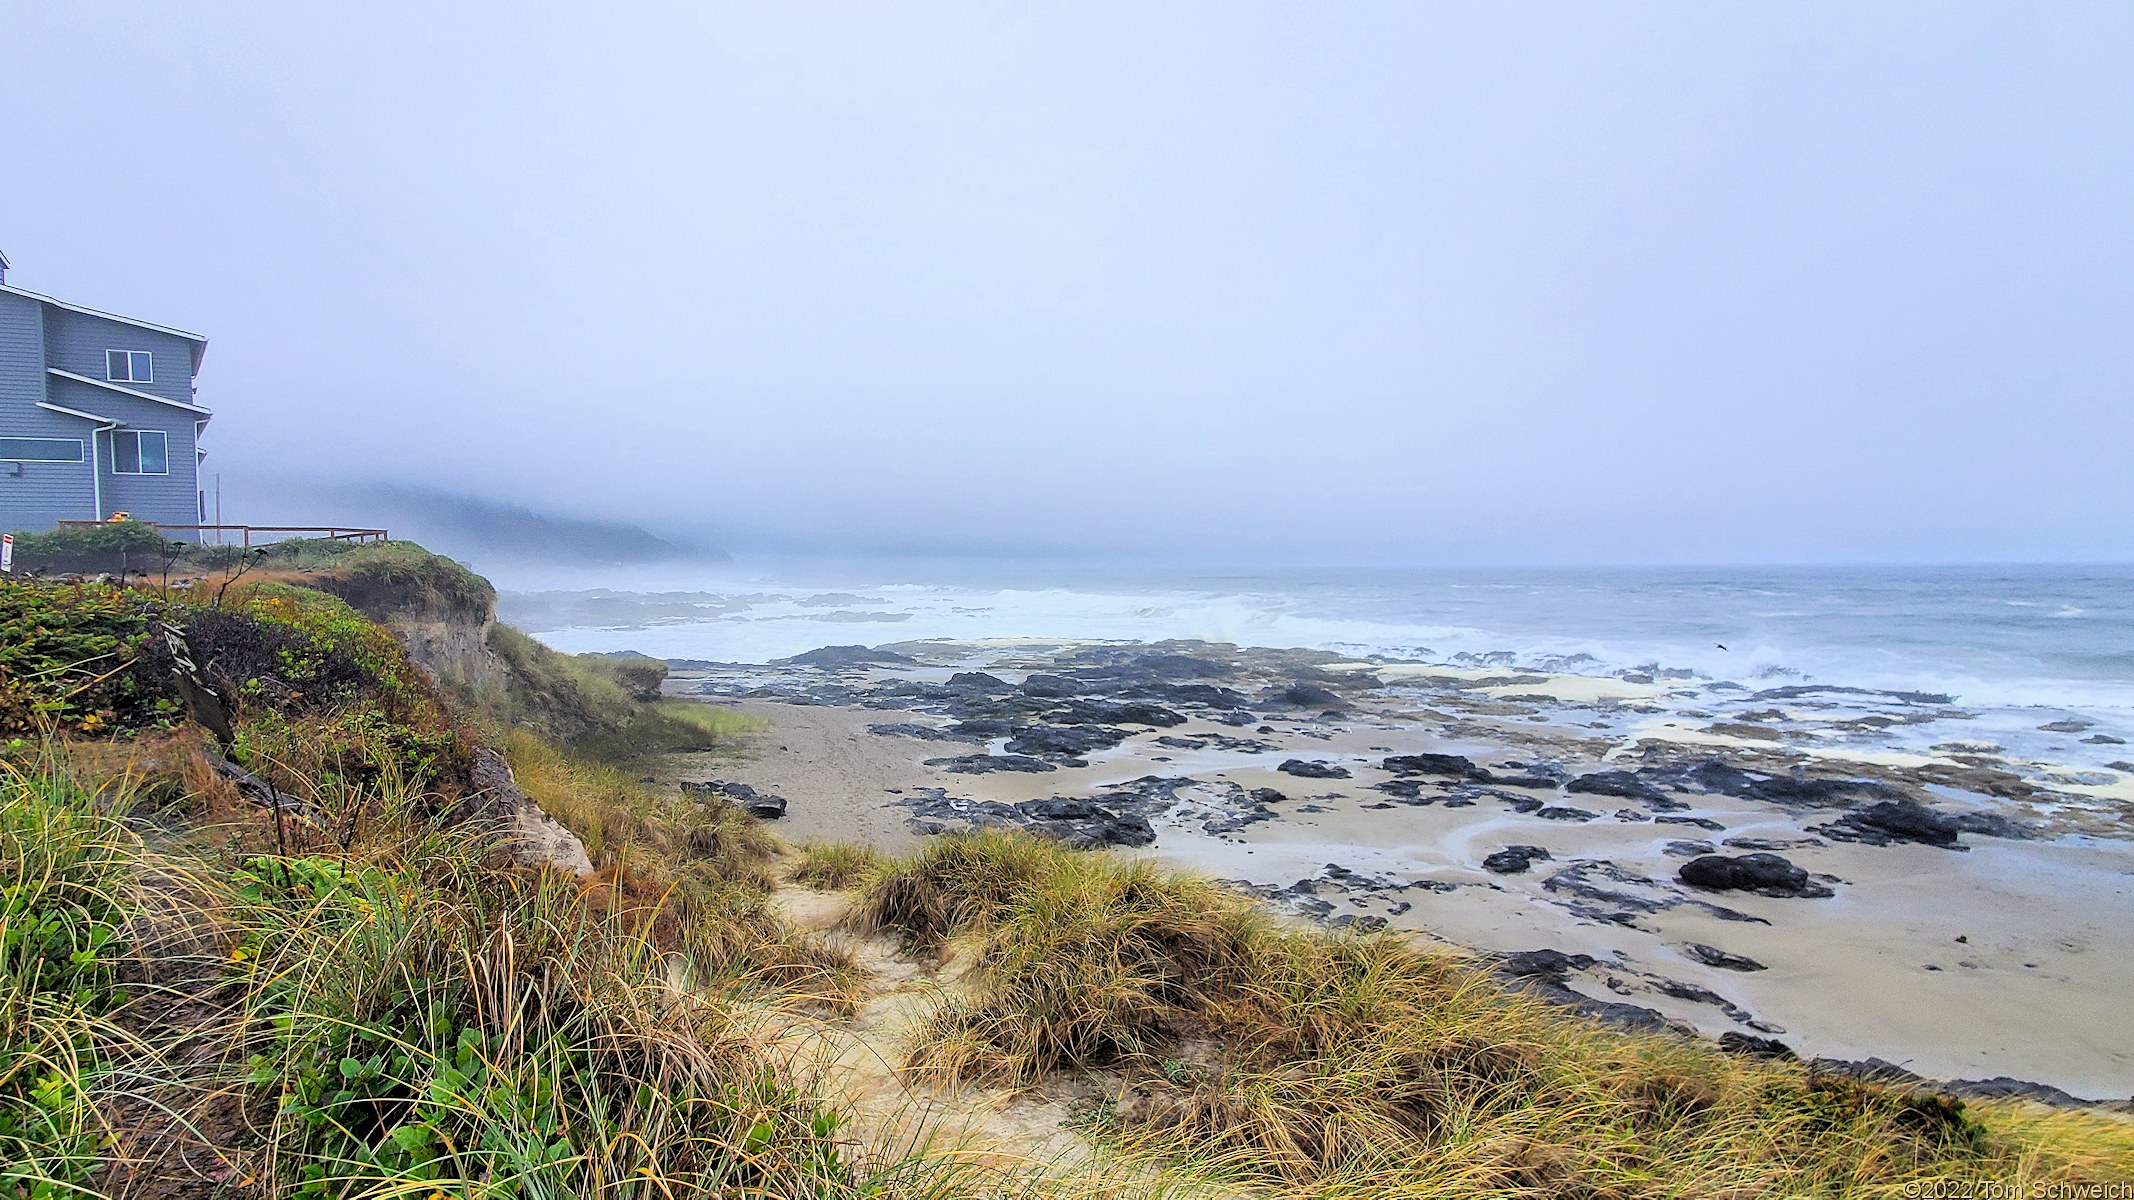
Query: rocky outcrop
1073	741
1712	956
764	806
985	764
844	658
1457	766
1764	874
1312	769
1513	860
1889	821
536	839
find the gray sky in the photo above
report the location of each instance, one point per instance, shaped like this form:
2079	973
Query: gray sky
1319	283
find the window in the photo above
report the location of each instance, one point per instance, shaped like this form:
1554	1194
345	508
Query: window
129	366
40	449
139	452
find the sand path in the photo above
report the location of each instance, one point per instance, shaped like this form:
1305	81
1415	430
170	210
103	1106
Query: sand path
896	1110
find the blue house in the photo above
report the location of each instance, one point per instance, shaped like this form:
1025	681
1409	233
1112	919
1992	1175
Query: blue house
97	415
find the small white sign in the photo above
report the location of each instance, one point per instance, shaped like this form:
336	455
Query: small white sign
7	552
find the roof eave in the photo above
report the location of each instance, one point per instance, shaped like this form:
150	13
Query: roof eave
195	409
11	289
64	411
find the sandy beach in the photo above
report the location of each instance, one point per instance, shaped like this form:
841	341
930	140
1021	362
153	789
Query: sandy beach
1991	938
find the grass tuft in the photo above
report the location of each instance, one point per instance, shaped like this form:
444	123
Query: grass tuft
835	866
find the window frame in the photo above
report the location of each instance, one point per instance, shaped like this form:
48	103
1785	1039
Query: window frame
129	357
80	455
136	435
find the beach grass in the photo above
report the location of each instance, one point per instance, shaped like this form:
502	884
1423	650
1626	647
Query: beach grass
1302	1061
68	876
835	866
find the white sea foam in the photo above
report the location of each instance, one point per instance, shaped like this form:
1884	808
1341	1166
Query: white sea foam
2014	648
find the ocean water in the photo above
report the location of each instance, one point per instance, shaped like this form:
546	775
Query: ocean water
1998	651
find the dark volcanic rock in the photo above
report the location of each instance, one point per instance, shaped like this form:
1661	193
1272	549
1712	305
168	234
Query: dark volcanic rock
1687	849
1054	687
1523	964
1764	874
1734	1042
1084	824
981	764
1459	766
762	805
1813	793
1558	812
1071	740
1100	712
1893	821
835	657
2001	1087
1540	973
1711	775
1302	695
1525	781
982	728
1716	777
979	681
923	732
1994	825
1513	860
1622	784
1712	956
1796	691
1206	694
1114	666
1312	769
1699	822
1752	843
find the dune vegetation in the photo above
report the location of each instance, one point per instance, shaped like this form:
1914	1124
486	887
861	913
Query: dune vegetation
1306	1061
264	932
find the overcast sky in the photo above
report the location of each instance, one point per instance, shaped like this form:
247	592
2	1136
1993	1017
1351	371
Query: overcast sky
1300	283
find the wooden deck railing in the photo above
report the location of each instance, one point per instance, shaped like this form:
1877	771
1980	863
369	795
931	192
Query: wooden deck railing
331	532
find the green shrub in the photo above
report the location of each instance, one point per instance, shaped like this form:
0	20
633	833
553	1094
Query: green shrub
65	656
102	538
401	579
439	1023
590	703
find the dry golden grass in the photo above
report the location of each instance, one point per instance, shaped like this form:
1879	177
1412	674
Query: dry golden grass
1368	1065
835	866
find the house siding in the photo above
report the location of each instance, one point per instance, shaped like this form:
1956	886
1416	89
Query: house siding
43	492
36	337
76	342
168	499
